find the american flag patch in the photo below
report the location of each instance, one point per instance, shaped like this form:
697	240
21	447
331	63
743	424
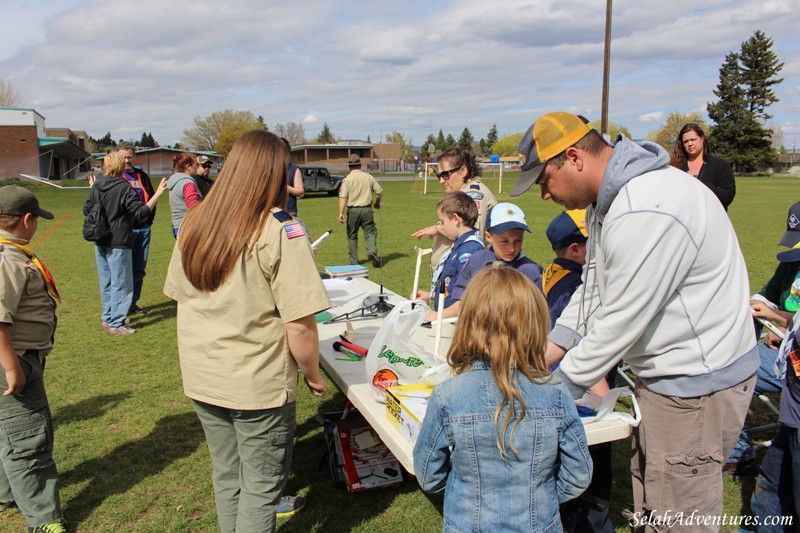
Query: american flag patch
294	230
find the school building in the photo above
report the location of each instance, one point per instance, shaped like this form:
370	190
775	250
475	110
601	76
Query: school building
28	147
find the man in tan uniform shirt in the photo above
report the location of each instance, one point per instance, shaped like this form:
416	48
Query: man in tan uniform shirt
356	194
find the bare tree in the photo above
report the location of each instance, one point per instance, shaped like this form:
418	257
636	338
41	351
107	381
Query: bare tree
293	132
9	97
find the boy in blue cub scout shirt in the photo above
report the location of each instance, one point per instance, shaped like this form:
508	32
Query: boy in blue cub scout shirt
505	229
457	213
28	297
567	234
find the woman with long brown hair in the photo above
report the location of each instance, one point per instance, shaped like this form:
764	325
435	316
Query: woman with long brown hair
247	290
691	155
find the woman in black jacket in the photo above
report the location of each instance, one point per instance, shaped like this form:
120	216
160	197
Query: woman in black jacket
691	155
113	253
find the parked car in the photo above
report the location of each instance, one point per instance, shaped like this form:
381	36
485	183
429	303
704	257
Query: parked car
318	179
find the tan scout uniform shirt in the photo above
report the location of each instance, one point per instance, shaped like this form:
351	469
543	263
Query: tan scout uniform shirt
485	200
358	187
232	343
24	301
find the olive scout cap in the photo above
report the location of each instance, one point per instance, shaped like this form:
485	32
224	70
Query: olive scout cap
17	201
546	138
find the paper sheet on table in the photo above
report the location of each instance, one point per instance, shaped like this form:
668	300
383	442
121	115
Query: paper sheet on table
605	411
337	282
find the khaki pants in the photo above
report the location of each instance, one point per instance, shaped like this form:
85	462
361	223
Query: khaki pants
679	449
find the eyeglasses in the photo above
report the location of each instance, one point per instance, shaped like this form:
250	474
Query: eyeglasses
207	165
445	174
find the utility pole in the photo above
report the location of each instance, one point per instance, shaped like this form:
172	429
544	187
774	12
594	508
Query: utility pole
606	69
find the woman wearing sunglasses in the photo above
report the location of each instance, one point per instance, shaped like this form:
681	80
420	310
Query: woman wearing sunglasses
458	171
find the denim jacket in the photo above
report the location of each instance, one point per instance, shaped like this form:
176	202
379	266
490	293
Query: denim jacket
456	452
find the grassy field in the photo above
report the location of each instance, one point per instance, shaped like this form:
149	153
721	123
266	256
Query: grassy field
129	448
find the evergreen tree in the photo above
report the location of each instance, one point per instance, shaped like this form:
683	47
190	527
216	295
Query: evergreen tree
368	139
441	144
466	139
325	136
482	145
425	151
743	92
450	142
759	66
491	139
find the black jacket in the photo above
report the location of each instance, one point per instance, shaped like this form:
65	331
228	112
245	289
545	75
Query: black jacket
717	175
123	209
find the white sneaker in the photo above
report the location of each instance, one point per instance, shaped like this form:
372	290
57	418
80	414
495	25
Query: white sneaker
122	330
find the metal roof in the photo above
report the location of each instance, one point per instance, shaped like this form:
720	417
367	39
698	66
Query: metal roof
63	147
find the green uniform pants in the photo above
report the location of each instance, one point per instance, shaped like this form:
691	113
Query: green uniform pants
252	456
361	217
28	474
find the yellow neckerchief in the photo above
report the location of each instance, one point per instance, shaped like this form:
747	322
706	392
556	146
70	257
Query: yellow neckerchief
46	276
552	275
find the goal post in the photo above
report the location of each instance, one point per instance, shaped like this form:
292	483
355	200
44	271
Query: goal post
491	176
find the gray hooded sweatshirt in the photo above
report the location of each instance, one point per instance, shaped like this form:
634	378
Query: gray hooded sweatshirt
665	286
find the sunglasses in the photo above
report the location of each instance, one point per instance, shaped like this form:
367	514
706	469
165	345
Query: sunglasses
445	174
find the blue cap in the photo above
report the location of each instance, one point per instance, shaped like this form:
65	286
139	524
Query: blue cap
504	217
567	228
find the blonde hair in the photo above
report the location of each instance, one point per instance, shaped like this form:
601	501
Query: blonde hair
114	164
216	231
504	322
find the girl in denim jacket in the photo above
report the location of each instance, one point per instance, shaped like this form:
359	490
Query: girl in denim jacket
501	438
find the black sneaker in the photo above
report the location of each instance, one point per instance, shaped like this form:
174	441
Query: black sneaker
136	310
376	262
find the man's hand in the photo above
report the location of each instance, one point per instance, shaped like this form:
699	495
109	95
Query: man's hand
377	204
16	380
342	218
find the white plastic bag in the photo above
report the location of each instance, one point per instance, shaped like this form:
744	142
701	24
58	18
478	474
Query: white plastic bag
605	411
393	357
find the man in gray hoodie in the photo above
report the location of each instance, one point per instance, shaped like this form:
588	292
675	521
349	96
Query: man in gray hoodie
665	290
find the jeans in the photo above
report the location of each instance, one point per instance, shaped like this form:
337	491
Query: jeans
777	492
252	455
115	271
766	382
141	249
26	448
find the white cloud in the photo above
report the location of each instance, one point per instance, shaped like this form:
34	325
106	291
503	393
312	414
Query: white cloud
414	67
656	116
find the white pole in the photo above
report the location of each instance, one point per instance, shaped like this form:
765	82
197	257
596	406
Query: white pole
439	322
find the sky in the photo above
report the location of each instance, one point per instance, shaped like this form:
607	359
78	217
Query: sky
368	68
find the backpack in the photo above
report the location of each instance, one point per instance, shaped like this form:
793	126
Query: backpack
95	225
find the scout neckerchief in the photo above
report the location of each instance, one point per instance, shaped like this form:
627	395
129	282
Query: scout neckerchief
46	276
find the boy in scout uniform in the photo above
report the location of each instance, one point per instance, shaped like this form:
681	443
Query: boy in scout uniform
356	194
28	298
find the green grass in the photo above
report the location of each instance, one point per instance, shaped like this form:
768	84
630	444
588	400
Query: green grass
130	451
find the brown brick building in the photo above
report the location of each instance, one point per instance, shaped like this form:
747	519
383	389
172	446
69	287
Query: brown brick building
28	147
334	156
